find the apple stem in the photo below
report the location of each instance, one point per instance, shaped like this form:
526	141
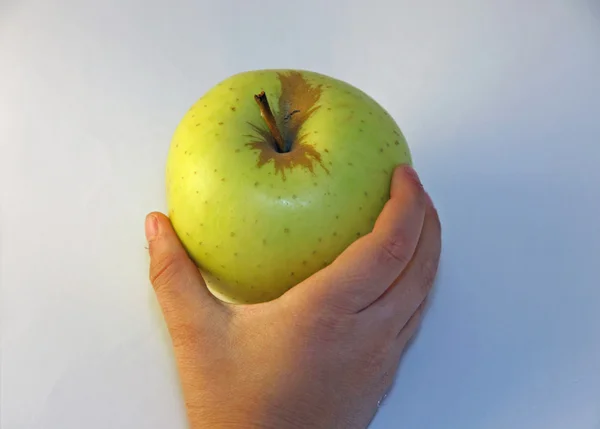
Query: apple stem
267	115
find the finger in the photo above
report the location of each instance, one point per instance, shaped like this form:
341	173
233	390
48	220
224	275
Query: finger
388	378
401	339
179	287
398	350
369	266
400	301
409	331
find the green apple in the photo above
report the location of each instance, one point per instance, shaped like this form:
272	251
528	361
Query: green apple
273	173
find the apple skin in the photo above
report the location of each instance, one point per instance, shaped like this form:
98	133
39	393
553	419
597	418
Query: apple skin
257	222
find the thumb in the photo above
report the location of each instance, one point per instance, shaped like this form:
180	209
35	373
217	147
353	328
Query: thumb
180	289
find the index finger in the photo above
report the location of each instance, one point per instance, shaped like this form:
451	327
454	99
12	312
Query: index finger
365	270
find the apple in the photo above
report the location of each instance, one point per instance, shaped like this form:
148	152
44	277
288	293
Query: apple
273	173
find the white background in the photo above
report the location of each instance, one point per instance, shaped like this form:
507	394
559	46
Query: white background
499	100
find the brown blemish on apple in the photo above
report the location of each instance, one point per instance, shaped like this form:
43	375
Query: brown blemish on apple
296	104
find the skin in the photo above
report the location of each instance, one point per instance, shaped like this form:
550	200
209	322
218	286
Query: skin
325	352
258	221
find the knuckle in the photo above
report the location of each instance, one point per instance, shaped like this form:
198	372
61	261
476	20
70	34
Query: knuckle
162	271
345	305
390	329
418	316
428	272
376	357
394	248
329	326
375	360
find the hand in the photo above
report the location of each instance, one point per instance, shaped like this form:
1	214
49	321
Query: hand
323	354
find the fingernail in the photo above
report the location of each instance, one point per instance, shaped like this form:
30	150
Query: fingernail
151	227
412	175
